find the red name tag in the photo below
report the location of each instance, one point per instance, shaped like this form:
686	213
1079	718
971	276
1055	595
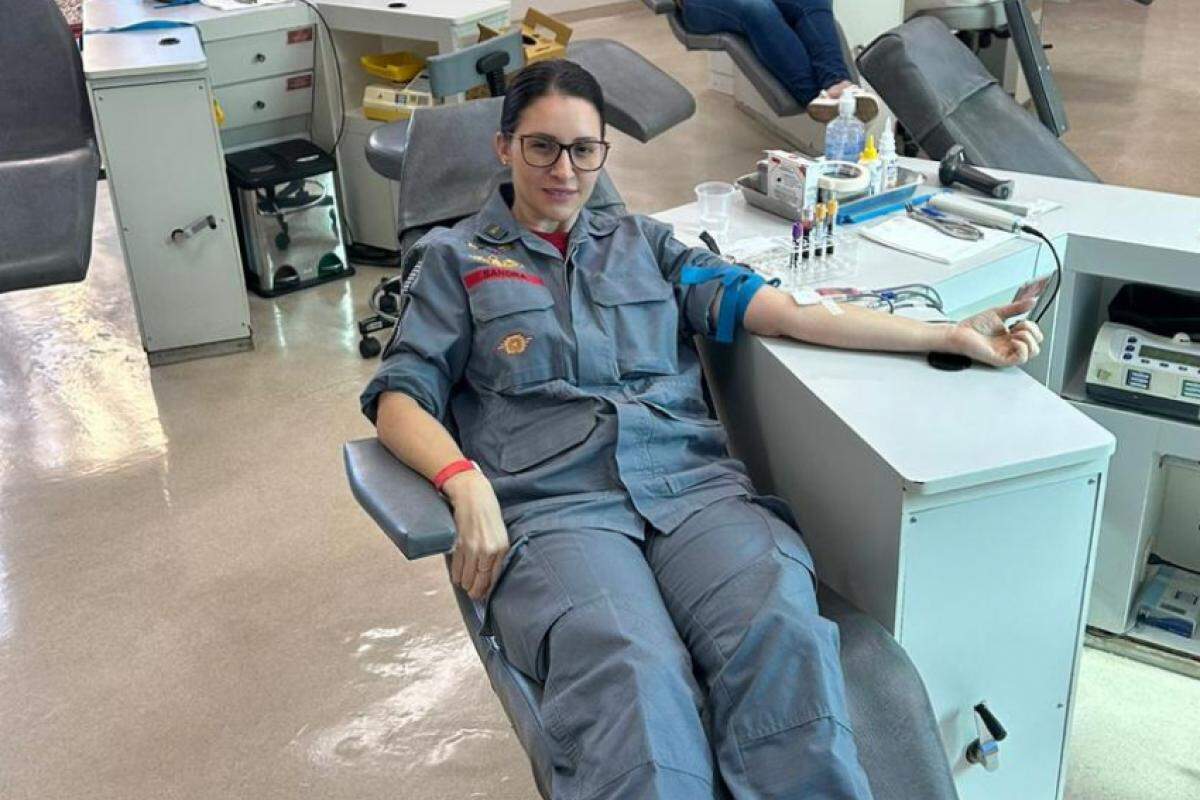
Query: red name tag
300	35
299	82
478	276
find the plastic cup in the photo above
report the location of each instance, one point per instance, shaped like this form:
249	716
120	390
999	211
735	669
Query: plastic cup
715	200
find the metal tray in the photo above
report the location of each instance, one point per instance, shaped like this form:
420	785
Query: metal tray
751	186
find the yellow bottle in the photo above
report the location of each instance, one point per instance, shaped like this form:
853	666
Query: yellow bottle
870	161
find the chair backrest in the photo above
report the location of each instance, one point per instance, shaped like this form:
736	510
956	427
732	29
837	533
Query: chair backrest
944	96
450	169
43	102
49	160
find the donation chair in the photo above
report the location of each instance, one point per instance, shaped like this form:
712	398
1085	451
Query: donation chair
897	735
943	96
761	96
979	22
778	98
49	161
640	101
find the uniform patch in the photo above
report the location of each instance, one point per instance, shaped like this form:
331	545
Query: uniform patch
496	262
478	276
514	344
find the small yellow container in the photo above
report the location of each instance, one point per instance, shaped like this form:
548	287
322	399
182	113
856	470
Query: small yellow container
396	67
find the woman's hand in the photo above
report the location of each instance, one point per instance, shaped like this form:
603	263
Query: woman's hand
985	338
482	536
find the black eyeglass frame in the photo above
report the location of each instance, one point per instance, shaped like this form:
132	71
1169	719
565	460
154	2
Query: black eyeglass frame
521	137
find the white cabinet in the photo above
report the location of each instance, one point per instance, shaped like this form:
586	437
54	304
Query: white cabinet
167	174
959	510
991	602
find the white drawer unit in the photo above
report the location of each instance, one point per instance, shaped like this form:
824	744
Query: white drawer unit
265	100
248	58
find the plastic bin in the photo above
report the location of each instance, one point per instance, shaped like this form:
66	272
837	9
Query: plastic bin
399	67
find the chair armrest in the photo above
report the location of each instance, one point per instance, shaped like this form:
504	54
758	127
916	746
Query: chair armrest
402	503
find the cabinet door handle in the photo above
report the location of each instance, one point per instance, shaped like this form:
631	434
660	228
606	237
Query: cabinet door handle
259	58
259	105
985	750
181	235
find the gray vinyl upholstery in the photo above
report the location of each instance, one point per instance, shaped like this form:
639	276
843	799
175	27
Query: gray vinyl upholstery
640	100
894	726
778	98
402	503
944	96
49	161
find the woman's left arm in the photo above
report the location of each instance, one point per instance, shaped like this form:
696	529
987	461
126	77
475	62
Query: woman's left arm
983	337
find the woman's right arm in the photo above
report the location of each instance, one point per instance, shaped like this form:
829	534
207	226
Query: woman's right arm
424	445
409	395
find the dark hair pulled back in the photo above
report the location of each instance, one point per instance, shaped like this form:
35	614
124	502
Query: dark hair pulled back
556	76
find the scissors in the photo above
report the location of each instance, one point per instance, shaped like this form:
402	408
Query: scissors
945	224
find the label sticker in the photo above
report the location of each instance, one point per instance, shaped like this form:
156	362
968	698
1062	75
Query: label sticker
300	82
300	35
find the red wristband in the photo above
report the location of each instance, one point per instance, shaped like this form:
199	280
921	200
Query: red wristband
452	469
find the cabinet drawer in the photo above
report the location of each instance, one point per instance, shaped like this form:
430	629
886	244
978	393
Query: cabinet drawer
266	100
248	58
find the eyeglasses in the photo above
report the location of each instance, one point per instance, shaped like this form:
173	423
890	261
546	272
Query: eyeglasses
587	155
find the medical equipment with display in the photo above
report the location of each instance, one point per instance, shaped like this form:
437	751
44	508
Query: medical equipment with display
1136	369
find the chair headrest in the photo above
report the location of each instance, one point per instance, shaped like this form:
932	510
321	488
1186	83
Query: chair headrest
450	168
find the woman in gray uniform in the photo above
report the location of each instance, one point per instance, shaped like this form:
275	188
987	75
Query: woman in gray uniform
626	561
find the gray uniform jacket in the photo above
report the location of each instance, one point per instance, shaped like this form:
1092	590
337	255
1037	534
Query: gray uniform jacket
573	383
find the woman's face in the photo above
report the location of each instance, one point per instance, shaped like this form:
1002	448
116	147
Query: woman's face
548	198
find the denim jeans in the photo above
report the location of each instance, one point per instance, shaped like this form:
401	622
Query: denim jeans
797	40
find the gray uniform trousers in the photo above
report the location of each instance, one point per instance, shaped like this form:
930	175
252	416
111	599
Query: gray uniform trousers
673	664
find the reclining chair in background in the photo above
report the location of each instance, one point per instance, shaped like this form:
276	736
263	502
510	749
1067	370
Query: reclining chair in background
793	123
641	101
943	96
896	732
980	23
49	161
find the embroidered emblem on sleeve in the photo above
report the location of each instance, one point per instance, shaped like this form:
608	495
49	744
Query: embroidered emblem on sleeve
514	344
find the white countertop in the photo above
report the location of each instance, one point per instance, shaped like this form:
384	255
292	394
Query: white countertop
457	12
119	13
143	53
113	55
941	431
131	53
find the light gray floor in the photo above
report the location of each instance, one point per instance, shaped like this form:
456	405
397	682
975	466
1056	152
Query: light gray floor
191	605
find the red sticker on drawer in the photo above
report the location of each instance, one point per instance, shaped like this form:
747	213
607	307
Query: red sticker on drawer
300	35
300	82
